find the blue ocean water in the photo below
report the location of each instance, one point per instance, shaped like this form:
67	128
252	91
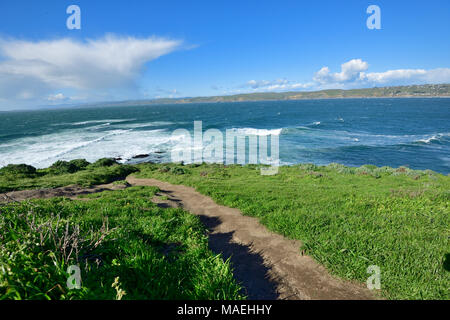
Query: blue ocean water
392	132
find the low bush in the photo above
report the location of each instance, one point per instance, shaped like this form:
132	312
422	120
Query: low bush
104	162
80	164
62	167
18	169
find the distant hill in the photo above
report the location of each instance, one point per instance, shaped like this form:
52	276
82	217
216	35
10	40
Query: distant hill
412	91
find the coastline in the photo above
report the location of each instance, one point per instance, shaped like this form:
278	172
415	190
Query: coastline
136	103
392	92
351	131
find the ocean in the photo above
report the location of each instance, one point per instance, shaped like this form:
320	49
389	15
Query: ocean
394	132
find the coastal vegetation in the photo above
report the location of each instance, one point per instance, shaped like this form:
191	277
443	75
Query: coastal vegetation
125	246
347	219
417	91
62	173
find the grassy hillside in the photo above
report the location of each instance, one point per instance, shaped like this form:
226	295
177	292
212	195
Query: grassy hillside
126	247
347	218
418	91
62	173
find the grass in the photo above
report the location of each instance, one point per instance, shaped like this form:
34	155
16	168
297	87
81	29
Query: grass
125	246
61	173
347	218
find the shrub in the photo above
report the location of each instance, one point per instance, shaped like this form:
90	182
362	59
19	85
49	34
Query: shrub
62	167
177	170
80	163
18	169
104	162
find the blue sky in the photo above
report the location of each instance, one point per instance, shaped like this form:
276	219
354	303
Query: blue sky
147	49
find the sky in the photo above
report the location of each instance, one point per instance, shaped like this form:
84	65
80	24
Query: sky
151	49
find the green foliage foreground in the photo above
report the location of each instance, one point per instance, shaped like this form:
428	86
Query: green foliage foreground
126	247
62	173
347	218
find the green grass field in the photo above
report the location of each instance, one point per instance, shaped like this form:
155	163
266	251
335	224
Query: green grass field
153	253
347	219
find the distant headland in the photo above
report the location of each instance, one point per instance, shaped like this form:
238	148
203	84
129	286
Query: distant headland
410	91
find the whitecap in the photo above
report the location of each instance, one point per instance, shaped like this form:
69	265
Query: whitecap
435	137
100	121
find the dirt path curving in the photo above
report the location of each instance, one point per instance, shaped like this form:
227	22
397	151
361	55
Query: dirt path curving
72	192
268	265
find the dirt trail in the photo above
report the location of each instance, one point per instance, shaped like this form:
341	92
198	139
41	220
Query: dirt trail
72	192
268	265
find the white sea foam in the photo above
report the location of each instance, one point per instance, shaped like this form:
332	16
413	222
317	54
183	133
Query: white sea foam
428	140
100	121
146	124
312	136
44	150
435	137
121	141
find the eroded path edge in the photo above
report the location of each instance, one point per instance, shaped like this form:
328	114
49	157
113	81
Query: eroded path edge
268	265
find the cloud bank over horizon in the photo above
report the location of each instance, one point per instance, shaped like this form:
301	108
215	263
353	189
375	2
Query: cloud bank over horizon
65	70
40	71
353	74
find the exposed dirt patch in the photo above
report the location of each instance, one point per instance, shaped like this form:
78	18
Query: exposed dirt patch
70	192
268	265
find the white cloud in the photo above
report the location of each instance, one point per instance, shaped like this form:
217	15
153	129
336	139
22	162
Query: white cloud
354	74
350	71
56	97
419	75
275	85
31	70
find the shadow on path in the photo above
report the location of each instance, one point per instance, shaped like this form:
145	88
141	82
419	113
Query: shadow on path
249	269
